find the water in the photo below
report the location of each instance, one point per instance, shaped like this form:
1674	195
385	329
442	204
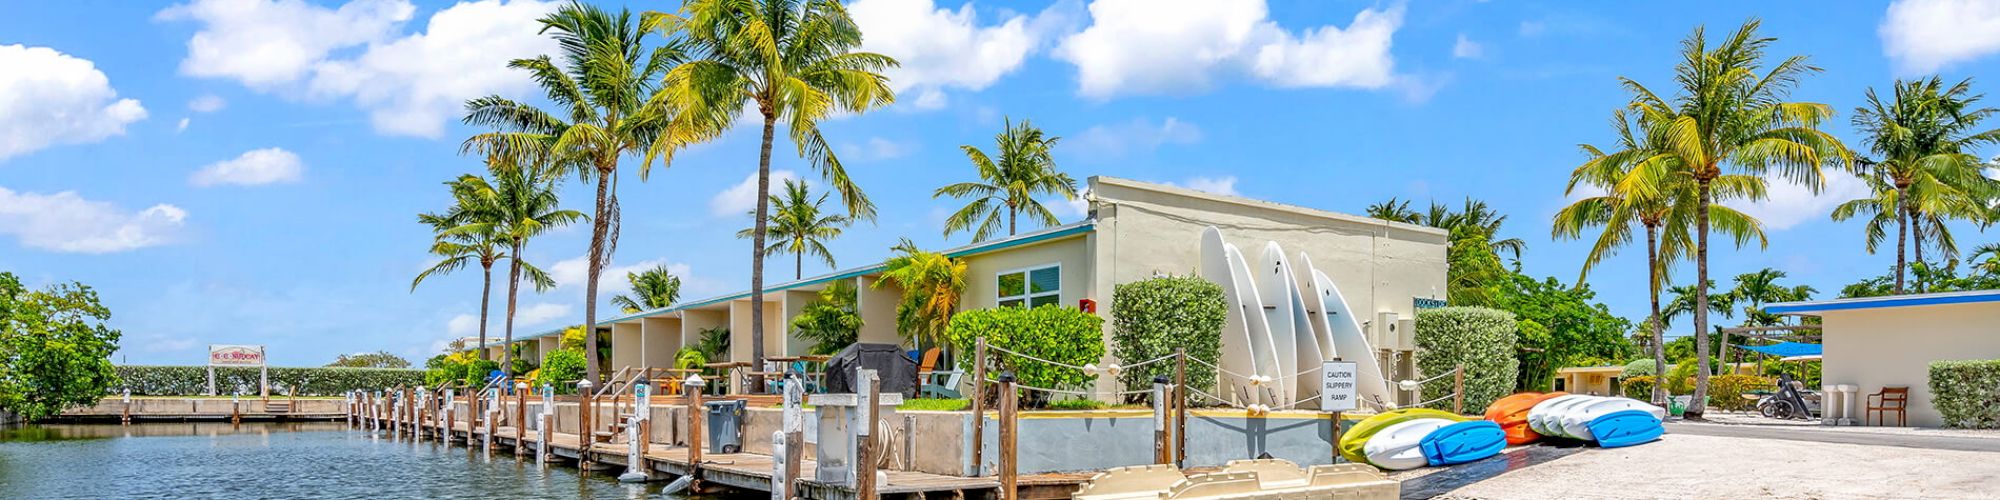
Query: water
273	460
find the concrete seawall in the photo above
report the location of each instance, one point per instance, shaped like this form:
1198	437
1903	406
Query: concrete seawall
171	408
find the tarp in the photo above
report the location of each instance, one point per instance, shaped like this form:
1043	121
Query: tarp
896	371
1786	349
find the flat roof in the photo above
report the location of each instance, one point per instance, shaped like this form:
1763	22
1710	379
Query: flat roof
1814	307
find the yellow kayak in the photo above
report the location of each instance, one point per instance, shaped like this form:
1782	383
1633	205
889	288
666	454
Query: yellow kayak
1353	440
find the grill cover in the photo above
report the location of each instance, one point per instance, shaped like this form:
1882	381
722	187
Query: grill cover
896	370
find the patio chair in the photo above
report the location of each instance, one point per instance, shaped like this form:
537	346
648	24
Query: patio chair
937	383
1890	399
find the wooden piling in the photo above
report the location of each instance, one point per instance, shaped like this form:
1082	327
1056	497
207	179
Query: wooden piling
866	454
795	433
1161	453
695	436
1458	390
1009	471
520	416
1180	406
978	405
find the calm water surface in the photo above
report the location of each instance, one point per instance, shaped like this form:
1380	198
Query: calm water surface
272	460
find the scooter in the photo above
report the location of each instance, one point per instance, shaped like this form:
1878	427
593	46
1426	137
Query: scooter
1792	400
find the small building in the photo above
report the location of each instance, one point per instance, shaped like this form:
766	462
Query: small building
1133	231
1609	380
1878	342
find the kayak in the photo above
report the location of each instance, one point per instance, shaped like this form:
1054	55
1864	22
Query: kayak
1400	445
1576	420
1626	428
1355	439
1463	442
1543	418
1511	414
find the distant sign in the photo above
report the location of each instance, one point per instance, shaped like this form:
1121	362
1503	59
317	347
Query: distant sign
235	355
1336	390
1427	303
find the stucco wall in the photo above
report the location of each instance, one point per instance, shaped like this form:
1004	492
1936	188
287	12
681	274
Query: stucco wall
1050	443
982	271
1894	346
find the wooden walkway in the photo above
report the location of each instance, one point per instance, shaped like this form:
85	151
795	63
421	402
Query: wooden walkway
753	472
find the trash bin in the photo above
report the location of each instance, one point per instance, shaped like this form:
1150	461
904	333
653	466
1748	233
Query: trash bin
1678	404
725	426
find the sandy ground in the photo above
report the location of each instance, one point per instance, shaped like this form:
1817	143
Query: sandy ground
1688	466
1759	421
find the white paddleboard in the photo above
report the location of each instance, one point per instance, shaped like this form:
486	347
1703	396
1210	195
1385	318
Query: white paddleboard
1576	421
1261	347
1315	313
1546	417
1275	285
1351	343
1235	355
1399	446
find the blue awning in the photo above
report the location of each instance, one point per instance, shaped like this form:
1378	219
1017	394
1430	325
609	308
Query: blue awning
1785	349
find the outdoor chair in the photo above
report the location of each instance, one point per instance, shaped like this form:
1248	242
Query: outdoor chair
937	383
1890	399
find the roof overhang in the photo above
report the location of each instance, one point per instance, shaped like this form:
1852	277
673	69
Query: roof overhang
1815	308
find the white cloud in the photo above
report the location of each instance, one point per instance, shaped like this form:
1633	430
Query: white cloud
49	98
252	168
945	48
1790	204
742	197
930	99
1465	48
410	84
462	325
1533	28
1116	140
1224	185
1157	46
208	103
182	126
1077	208
66	222
1923	36
875	149
539	314
572	274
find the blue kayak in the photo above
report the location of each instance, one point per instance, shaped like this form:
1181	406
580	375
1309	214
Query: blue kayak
1626	428
1463	442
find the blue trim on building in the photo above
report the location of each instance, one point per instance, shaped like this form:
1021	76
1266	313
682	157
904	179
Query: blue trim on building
1929	299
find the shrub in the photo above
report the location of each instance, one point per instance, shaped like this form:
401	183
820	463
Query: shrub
476	370
690	358
446	367
1640	387
831	322
1153	317
1537	356
1478	338
1639	367
193	380
561	369
1049	332
1726	391
1680	377
1079	404
1967	393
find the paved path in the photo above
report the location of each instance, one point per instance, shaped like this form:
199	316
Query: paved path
1934	442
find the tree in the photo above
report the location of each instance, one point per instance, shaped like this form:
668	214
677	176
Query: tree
1394	210
651	289
377	359
1472	255
793	60
1731	114
1025	169
55	349
604	109
518	204
1925	174
832	321
1681	302
1755	289
460	246
1572	327
1985	259
931	284
798	226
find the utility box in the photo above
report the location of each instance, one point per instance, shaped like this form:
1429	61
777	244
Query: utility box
725	426
841	431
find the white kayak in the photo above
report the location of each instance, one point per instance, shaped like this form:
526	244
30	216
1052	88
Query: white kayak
1576	418
1261	346
1235	356
1400	446
1276	286
1544	417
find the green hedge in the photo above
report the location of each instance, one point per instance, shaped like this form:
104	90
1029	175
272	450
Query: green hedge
1049	332
193	380
1153	317
1967	393
561	369
1479	338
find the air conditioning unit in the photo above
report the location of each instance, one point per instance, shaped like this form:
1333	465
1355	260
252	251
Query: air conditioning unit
1406	331
1382	332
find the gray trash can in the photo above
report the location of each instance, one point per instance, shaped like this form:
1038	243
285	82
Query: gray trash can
725	426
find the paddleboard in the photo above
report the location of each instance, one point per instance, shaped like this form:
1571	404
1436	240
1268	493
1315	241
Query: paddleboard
1511	413
1315	312
1576	420
1354	440
1275	285
1541	417
1350	343
1463	442
1265	354
1626	428
1235	338
1310	355
1400	446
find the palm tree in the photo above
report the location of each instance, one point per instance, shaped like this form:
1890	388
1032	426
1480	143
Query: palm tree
1394	210
799	226
518	205
931	283
1925	175
794	60
1637	192
1025	169
1755	289
1986	259
1681	302
459	248
602	92
1731	114
651	289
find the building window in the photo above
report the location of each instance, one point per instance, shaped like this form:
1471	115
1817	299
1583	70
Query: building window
1032	287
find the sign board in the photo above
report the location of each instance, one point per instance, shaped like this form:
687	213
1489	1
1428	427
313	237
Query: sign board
1336	390
235	355
1421	303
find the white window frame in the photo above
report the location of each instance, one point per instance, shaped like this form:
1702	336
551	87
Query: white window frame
1027	296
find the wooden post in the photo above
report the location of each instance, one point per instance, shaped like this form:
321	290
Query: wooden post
520	416
1162	453
126	417
1180	406
585	408
1458	390
794	432
1009	489
692	388
1335	444
978	406
865	456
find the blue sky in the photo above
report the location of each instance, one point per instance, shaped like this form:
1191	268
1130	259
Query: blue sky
248	171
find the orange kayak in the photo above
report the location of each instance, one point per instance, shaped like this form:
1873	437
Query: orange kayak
1511	413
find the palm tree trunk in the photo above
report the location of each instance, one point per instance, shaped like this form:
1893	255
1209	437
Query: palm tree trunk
1653	287
1902	236
757	248
1700	399
1010	221
599	226
799	265
485	294
1916	247
513	294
